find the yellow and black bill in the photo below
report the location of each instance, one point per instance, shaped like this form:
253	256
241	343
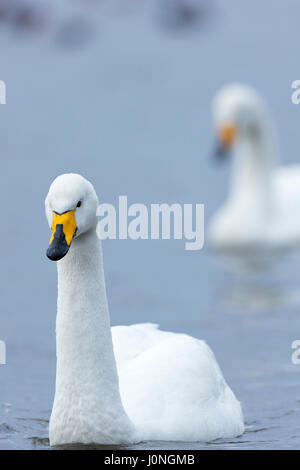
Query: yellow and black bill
226	136
63	228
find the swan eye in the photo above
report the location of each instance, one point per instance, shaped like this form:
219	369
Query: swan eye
78	203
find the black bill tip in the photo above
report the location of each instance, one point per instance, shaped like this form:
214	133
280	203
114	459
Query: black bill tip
221	151
59	247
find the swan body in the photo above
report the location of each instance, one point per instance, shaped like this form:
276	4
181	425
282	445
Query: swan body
262	207
172	387
128	383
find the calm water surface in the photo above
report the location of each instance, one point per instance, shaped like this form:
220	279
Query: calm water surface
130	110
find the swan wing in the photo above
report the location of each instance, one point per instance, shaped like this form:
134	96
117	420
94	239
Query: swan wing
172	387
287	184
131	341
286	227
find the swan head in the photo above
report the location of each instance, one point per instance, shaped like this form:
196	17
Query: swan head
238	112
71	206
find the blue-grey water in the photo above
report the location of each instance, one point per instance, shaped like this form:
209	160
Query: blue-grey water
126	102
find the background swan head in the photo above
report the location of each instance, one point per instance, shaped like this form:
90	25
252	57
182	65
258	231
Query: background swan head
238	113
71	206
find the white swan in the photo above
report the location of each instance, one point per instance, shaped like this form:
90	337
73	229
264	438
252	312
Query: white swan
166	386
263	206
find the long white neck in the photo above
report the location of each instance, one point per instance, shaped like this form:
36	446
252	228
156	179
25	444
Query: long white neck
254	159
87	406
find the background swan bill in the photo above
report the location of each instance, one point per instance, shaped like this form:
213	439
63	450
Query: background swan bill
221	152
226	136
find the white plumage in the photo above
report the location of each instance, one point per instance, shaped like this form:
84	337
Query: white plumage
172	387
263	204
162	386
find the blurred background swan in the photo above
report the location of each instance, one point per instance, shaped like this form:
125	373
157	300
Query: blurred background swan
263	204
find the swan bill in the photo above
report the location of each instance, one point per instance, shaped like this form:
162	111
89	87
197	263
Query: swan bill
63	229
226	137
221	152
